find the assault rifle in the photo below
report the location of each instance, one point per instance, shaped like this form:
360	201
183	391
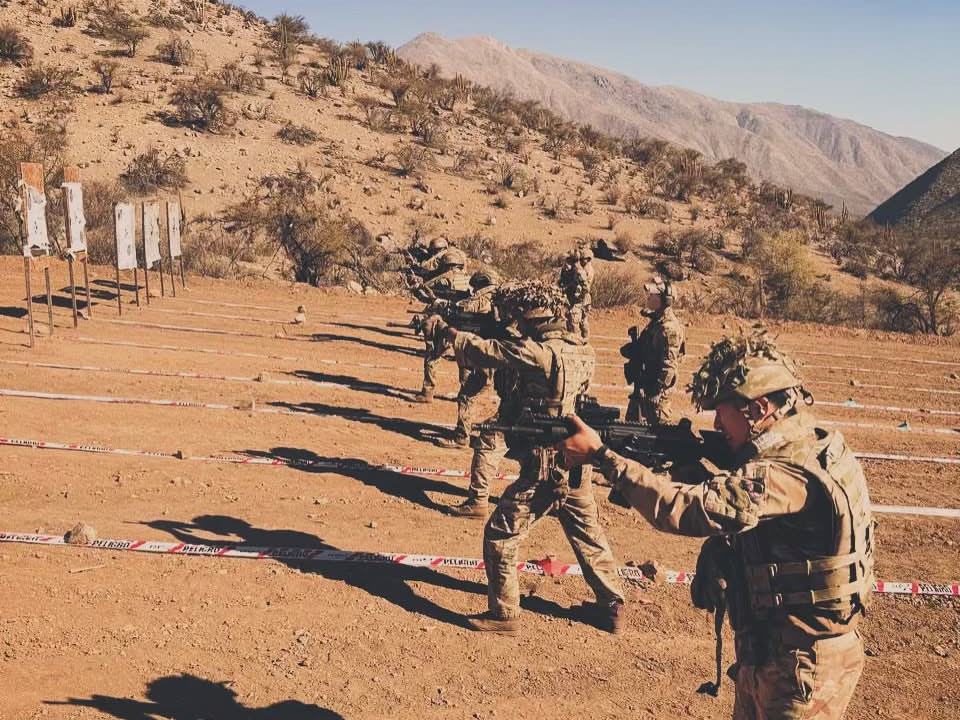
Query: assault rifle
648	445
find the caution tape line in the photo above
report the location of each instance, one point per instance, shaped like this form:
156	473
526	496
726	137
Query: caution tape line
243	318
323	555
401	469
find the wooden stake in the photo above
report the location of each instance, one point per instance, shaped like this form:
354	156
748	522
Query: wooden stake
119	303
46	277
86	282
26	275
73	291
136	286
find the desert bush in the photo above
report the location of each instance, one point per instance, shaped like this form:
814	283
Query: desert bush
14	47
200	103
175	51
40	80
152	170
164	18
512	176
398	87
67	18
617	286
356	55
106	71
381	53
312	82
236	78
297	134
466	163
377	117
589	158
111	21
434	135
286	34
99	200
556	207
337	71
637	203
412	159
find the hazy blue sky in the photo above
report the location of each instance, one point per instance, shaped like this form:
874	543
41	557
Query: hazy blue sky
889	64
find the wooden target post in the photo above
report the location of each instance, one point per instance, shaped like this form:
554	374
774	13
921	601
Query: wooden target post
151	244
174	218
125	234
36	241
75	224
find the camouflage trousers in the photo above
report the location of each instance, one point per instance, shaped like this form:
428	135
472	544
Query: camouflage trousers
653	410
814	681
472	384
431	364
489	450
578	320
523	504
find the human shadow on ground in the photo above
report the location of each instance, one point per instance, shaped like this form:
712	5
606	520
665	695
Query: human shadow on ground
386	347
188	697
408	428
389	581
409	334
354	383
412	488
14	312
126	287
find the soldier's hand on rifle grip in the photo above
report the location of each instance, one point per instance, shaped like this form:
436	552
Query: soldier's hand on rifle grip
579	448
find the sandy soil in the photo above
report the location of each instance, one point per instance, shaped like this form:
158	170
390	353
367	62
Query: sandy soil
136	635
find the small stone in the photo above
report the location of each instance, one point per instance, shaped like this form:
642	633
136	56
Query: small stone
81	534
354	287
940	651
372	525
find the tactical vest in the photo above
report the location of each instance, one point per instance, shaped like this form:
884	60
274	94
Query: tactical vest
818	561
647	353
553	390
453	284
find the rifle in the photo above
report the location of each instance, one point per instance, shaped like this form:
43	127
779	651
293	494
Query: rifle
648	445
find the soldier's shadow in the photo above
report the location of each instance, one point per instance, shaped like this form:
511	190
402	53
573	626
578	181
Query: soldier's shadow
407	428
377	329
388	581
412	488
188	697
354	383
386	347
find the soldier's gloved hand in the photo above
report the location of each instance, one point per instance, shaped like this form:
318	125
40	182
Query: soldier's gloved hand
579	448
434	328
709	586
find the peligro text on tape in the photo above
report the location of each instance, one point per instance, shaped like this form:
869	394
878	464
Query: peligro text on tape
324	555
334	465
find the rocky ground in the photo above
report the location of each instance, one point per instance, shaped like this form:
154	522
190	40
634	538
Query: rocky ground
106	634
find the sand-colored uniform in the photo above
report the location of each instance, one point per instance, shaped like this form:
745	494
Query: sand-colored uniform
451	284
793	529
576	281
653	364
473	381
550	372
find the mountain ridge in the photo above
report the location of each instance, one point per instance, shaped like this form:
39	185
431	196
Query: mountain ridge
930	202
838	159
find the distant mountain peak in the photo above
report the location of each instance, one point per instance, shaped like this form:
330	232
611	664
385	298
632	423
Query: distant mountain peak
839	160
931	202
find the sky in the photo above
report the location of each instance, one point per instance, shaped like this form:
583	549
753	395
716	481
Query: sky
892	65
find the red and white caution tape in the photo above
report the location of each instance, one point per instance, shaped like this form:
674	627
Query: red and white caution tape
908	458
858	384
323	555
334	465
185	328
233	305
243	318
182	348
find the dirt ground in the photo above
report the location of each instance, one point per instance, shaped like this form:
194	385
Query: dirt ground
99	634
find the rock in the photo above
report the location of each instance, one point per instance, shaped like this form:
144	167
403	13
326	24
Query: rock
954	376
81	534
354	287
372	525
387	242
491	220
940	651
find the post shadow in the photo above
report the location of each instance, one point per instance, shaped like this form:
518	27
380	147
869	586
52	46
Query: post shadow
390	582
386	347
188	697
355	383
376	329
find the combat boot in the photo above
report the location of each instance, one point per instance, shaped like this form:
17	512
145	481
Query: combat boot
610	617
491	623
454	443
472	508
424	397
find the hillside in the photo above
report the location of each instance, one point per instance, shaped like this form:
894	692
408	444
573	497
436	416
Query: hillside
931	202
837	159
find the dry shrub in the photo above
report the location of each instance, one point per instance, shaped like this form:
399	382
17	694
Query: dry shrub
514	262
111	21
412	159
641	205
40	80
14	47
99	200
312	83
153	170
176	51
106	71
236	79
297	134
200	103
617	286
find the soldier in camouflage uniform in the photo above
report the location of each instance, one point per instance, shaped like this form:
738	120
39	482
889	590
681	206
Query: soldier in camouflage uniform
653	358
477	311
790	535
552	367
576	281
445	280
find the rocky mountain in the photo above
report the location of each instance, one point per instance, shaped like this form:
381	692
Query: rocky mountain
839	160
932	201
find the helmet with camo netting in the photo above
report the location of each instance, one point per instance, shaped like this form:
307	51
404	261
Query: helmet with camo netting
484	278
452	257
439	243
531	300
744	368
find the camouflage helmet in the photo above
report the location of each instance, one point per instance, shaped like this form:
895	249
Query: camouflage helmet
439	243
585	253
744	368
530	300
484	278
452	257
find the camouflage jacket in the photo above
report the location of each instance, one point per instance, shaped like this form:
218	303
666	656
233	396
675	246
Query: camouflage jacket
653	359
796	513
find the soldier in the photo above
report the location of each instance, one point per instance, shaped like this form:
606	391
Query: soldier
653	357
552	367
576	280
446	281
477	312
790	535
